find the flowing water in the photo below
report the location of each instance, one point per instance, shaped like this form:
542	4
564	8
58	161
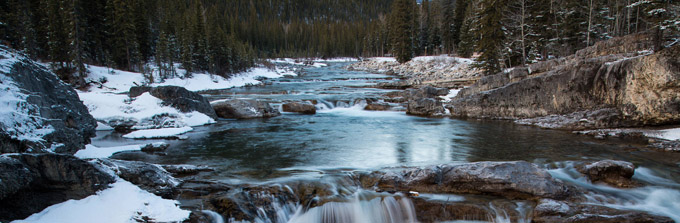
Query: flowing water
342	138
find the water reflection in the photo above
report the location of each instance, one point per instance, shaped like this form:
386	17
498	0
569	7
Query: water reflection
344	138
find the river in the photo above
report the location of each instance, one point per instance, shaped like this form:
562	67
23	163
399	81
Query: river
342	138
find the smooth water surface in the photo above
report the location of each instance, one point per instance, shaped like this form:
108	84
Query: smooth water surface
342	136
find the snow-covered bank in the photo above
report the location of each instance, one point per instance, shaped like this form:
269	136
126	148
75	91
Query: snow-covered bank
92	151
424	68
108	104
122	202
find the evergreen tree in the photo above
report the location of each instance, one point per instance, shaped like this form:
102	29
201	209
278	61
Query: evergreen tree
401	30
492	35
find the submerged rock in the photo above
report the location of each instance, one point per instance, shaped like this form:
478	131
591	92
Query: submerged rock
48	102
31	182
177	97
244	109
613	172
615	83
517	179
298	107
377	106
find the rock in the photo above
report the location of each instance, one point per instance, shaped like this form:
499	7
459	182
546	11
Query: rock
425	92
155	147
244	109
136	91
186	170
427	211
613	172
50	102
557	212
298	107
177	97
626	89
425	101
425	107
377	107
31	182
149	177
517	179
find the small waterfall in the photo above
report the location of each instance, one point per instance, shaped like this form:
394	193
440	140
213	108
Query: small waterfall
361	208
507	212
214	216
661	197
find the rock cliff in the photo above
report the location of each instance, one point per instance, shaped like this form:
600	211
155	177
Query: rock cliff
615	83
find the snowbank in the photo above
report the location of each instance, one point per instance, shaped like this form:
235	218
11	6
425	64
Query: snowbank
451	95
19	119
424	69
144	110
157	133
667	134
123	202
91	152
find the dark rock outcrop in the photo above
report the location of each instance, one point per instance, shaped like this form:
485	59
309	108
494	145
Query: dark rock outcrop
31	182
52	101
298	107
177	97
613	172
425	101
615	83
150	177
244	109
517	179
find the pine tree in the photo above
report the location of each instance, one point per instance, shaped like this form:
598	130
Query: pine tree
401	30
458	19
491	35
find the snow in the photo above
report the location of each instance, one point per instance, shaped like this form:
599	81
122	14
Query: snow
107	106
668	134
103	127
19	119
451	95
122	202
157	133
91	151
383	59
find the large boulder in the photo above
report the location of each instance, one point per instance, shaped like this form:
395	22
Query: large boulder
298	107
31	182
40	111
425	101
518	179
177	97
623	87
613	172
244	109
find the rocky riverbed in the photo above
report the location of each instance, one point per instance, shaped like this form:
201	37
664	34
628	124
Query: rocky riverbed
263	177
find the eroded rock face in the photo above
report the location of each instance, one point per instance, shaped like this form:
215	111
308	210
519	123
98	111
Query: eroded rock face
622	87
31	182
613	172
377	106
298	107
54	102
244	109
177	97
508	179
425	101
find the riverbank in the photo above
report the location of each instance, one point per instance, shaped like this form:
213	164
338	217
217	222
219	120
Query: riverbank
437	71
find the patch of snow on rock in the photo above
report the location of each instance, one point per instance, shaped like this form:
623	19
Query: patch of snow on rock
122	202
18	118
